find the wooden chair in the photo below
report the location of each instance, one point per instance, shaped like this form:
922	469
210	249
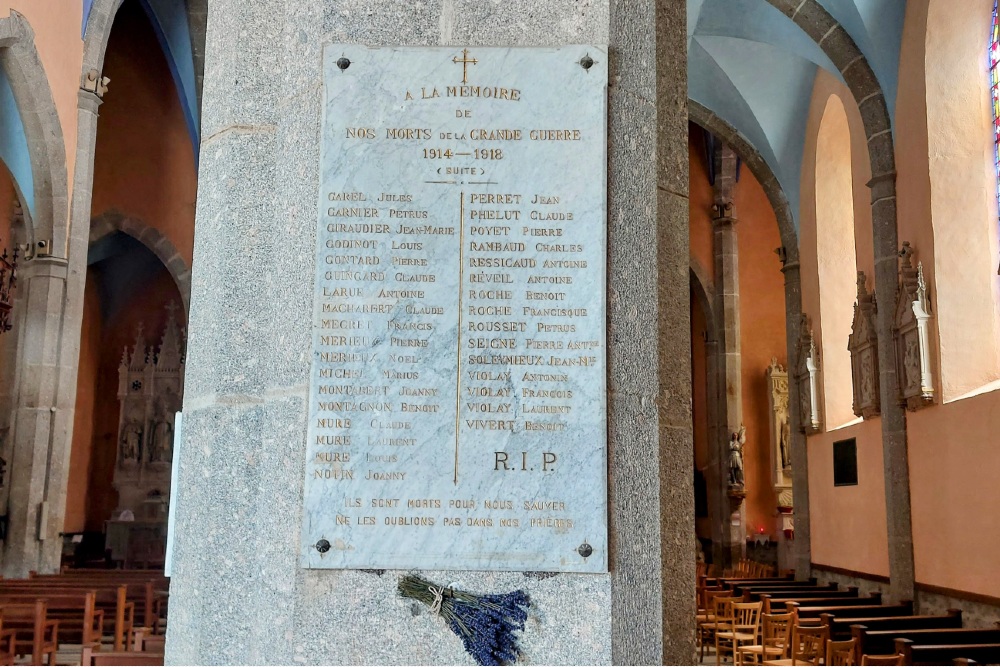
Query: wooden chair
723	620
706	610
808	646
896	659
705	613
745	626
775	639
840	653
720	620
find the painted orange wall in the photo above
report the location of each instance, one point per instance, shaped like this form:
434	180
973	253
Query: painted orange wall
699	402
848	523
947	207
963	193
83	418
762	326
7	198
954	468
700	207
144	164
144	168
835	259
56	24
762	314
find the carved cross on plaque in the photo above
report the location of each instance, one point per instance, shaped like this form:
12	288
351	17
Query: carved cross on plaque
466	61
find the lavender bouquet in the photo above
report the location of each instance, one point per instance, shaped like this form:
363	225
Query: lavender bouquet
486	624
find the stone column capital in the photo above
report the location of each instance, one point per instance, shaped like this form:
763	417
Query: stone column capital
44	267
724	215
88	101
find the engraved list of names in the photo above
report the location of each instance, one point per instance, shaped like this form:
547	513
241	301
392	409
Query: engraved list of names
457	416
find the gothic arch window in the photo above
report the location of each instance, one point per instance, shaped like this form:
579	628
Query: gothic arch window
836	258
960	248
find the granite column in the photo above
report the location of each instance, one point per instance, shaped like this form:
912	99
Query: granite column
725	250
894	450
238	593
50	295
801	550
675	448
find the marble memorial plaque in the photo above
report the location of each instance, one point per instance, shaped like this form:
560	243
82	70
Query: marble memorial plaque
457	417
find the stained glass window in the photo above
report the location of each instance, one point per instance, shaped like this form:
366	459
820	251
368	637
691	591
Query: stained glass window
995	85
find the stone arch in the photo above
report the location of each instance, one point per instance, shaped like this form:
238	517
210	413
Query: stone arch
838	45
100	22
752	158
857	72
703	117
47	149
158	244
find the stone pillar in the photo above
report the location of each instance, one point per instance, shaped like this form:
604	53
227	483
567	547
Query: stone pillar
801	550
675	449
39	431
729	367
716	471
238	594
50	295
894	452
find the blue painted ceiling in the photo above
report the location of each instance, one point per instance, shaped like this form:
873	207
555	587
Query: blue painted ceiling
754	68
14	146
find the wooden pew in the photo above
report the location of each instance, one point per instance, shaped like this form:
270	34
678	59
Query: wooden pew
92	657
779	595
942	654
840	627
35	634
142	587
110	600
780	605
742	589
723	581
79	621
865	611
153	644
883	641
849	592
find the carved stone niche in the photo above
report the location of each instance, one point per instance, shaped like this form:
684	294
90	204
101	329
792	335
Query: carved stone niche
911	334
150	387
780	433
863	345
807	379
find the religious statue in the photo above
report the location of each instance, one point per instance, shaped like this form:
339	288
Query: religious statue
131	442
785	445
736	443
162	446
162	449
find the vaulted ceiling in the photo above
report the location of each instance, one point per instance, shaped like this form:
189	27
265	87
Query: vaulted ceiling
180	29
754	68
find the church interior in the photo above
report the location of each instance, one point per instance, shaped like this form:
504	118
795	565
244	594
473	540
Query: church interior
843	325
